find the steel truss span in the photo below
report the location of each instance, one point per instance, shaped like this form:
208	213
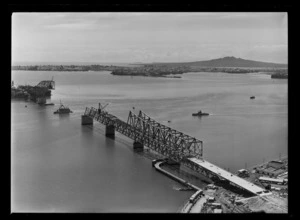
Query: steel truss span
158	137
42	89
49	84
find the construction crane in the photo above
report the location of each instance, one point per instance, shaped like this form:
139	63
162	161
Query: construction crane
101	108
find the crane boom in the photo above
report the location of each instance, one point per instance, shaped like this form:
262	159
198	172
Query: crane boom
104	106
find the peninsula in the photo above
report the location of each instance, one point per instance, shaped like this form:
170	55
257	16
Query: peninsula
230	65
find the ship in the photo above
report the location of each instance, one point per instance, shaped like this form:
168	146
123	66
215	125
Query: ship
63	110
200	113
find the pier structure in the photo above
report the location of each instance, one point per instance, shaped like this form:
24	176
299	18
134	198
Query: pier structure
110	131
177	147
86	120
37	93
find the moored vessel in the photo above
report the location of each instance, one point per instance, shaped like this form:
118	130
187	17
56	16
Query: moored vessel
200	113
63	110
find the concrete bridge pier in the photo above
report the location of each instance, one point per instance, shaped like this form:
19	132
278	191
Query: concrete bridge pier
110	131
86	120
138	146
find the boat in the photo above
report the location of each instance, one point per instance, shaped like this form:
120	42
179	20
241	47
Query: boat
200	113
63	110
252	97
49	104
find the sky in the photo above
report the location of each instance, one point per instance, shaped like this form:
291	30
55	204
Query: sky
148	37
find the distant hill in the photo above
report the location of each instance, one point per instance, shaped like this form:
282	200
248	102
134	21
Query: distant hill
230	62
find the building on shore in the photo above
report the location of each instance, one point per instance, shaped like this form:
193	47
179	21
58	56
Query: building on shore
272	169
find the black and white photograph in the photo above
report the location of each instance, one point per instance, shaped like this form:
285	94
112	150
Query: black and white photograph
149	112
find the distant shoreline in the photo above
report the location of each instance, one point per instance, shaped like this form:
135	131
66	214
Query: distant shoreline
153	70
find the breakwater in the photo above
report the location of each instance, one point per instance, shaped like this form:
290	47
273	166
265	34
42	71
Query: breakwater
158	163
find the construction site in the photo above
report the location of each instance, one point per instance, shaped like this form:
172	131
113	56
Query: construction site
38	93
247	191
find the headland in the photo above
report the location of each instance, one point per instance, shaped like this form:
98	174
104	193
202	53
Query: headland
230	65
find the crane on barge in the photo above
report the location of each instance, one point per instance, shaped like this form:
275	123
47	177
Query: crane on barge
101	108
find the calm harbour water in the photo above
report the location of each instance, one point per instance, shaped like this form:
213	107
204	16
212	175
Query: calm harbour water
60	166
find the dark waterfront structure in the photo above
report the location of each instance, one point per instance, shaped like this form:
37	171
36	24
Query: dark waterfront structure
37	93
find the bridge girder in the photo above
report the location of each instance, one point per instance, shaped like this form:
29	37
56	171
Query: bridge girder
158	137
42	89
49	84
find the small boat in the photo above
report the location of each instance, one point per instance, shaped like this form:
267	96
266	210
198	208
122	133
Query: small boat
200	113
49	104
252	97
63	110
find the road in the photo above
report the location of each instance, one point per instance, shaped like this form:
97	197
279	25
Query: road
197	207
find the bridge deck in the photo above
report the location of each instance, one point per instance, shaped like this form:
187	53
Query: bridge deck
229	176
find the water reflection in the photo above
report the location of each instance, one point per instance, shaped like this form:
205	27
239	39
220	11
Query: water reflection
64	116
110	142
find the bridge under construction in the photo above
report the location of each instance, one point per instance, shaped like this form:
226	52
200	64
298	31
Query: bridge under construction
37	93
174	145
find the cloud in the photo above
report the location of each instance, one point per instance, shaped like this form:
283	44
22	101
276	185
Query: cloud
140	37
